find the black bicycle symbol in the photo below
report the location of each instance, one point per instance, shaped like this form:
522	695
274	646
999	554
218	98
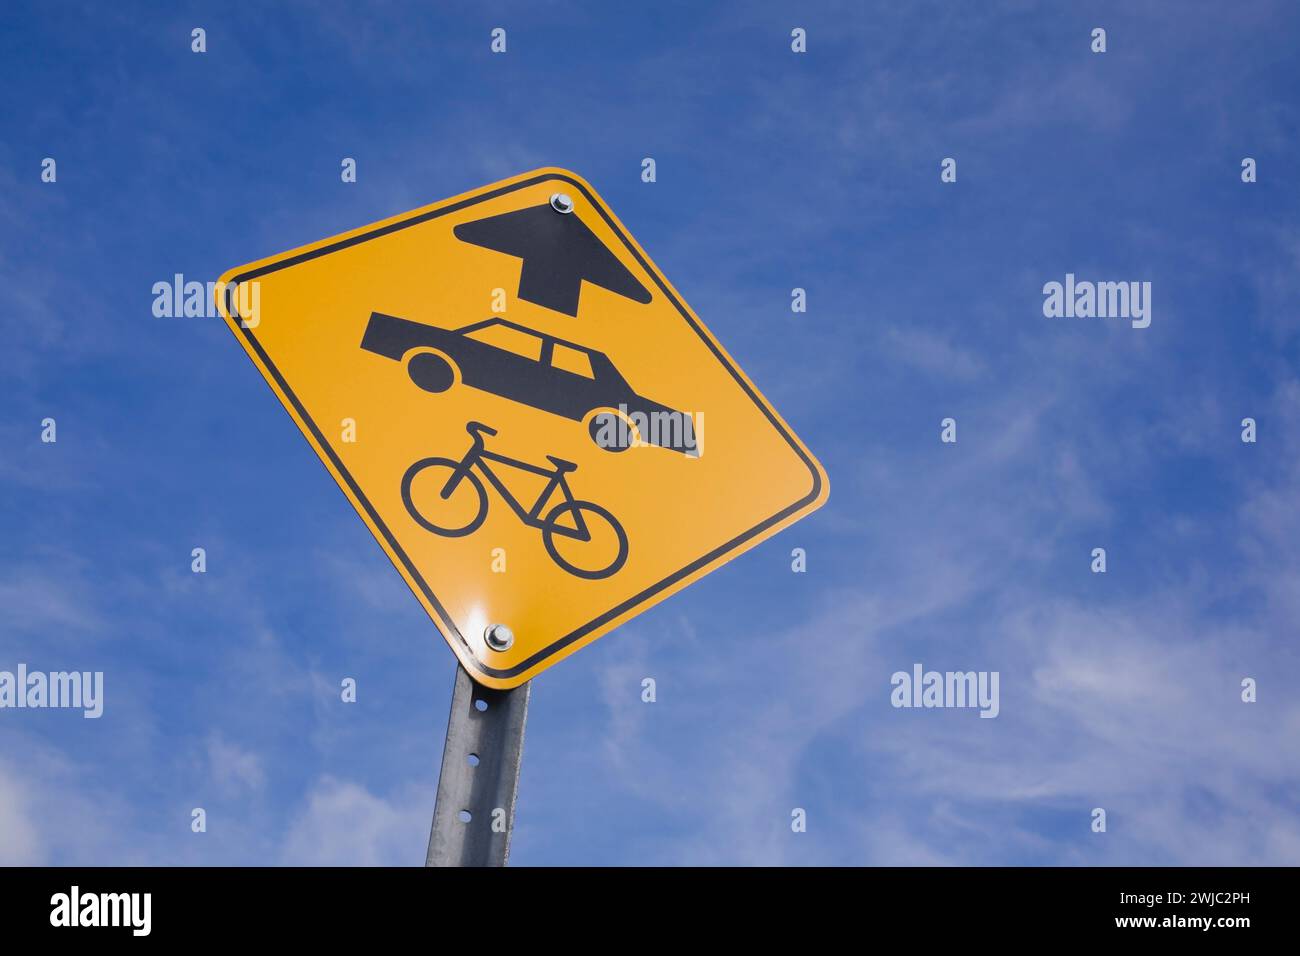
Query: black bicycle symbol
554	528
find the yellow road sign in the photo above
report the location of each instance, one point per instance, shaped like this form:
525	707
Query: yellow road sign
533	424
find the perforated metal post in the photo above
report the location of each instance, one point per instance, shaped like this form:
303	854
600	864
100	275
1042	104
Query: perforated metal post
475	809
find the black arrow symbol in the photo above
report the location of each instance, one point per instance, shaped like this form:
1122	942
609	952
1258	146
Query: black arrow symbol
559	252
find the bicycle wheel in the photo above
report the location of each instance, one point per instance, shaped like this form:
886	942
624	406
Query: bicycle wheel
445	509
603	535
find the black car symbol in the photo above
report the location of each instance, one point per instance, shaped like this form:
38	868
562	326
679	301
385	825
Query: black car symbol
541	371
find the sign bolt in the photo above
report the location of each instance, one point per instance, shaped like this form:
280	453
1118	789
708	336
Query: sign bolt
561	202
498	637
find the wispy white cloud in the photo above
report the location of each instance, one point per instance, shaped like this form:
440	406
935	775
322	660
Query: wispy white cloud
19	843
234	768
341	823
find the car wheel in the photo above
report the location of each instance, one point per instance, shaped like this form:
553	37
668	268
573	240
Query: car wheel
432	372
611	431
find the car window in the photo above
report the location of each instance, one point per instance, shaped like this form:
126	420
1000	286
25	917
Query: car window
512	340
571	360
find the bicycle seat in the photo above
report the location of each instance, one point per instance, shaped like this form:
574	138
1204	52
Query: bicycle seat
561	464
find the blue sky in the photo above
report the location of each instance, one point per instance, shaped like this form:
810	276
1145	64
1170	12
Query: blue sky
775	170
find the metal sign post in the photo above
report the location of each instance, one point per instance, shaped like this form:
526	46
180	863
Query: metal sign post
475	809
599	385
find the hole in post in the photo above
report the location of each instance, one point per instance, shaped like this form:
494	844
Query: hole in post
464	816
472	760
480	705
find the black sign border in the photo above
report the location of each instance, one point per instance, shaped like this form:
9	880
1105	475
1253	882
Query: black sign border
559	644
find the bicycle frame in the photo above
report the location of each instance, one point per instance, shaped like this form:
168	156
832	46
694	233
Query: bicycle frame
480	456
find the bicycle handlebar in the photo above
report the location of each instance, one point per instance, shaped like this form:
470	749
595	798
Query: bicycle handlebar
477	428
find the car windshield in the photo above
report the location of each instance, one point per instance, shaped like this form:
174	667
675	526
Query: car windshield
573	360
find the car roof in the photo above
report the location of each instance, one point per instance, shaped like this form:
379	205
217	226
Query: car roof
465	330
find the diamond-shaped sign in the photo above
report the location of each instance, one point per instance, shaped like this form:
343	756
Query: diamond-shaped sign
535	427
